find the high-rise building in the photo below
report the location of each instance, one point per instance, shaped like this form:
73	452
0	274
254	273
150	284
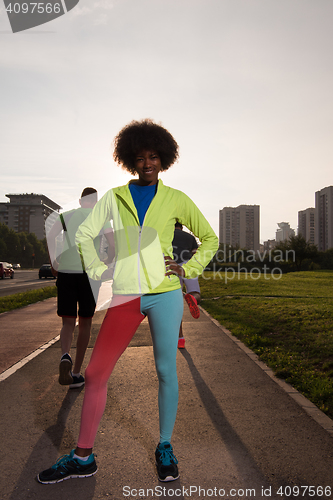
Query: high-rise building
27	213
324	218
239	226
269	245
306	224
284	232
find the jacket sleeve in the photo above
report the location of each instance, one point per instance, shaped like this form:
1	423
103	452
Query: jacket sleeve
89	230
193	219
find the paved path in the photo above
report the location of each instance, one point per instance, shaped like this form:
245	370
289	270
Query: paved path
24	330
238	434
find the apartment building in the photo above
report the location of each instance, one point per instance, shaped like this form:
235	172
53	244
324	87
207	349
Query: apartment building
324	218
306	224
284	232
27	213
239	226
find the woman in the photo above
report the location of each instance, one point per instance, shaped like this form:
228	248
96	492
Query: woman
145	283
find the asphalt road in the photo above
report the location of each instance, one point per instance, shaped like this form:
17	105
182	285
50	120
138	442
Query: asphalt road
23	280
239	434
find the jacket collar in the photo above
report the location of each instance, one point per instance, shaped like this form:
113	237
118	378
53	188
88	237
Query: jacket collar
124	193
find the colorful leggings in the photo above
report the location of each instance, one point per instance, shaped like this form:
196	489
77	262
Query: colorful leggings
164	311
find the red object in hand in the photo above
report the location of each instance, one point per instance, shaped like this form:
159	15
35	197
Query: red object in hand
193	305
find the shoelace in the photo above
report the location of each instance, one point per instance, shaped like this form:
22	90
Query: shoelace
62	461
167	456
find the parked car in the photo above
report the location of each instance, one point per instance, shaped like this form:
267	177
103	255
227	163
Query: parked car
45	271
6	270
16	266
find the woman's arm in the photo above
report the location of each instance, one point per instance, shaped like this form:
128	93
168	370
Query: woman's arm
194	220
88	231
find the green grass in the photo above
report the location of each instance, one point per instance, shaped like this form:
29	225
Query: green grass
18	300
287	322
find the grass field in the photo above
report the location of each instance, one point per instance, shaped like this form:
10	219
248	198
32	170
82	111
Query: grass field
288	322
18	300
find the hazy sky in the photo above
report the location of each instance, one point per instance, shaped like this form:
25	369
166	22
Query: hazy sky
245	87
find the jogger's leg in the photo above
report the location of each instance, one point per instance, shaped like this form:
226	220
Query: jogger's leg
119	325
66	334
82	342
165	312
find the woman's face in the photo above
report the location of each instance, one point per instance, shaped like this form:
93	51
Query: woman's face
148	165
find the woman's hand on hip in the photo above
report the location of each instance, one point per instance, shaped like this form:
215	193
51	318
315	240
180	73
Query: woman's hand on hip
173	268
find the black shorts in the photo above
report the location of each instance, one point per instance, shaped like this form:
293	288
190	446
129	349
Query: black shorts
74	289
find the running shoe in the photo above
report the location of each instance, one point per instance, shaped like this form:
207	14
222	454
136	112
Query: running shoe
181	343
78	381
166	462
193	305
67	467
65	367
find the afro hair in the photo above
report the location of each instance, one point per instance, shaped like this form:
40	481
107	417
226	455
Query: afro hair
144	135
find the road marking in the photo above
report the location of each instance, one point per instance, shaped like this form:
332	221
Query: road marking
25	360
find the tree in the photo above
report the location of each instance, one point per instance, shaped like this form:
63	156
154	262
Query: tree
20	248
3	249
26	250
10	247
296	250
325	259
13	246
39	255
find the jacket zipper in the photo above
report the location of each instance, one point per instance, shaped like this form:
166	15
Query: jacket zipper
140	233
139	246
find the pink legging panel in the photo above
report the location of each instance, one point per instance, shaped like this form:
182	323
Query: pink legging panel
119	326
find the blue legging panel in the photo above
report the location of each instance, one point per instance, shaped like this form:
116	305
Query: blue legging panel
165	312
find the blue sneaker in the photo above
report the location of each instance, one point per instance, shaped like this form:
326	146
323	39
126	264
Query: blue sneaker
78	381
65	370
166	462
67	467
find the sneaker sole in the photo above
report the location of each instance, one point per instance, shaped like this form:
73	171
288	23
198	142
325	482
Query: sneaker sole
168	478
65	377
73	476
194	309
76	386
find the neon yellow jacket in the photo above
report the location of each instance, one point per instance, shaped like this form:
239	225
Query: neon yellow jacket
140	267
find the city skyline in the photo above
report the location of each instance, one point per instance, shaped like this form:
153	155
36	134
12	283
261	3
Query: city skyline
244	87
238	226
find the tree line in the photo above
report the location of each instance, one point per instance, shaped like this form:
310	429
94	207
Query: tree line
22	248
294	254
